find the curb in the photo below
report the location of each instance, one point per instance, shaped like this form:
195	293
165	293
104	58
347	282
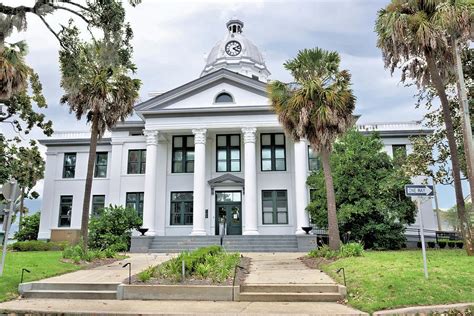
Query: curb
425	310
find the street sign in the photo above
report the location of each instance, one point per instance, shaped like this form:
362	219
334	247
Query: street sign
419	190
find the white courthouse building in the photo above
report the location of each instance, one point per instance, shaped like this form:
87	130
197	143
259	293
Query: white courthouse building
207	150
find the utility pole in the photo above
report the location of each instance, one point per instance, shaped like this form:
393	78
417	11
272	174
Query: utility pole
466	119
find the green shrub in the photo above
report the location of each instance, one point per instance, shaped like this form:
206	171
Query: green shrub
29	228
203	263
112	228
146	274
38	245
77	254
352	249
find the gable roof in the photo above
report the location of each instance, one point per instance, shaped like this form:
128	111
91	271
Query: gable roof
226	178
221	75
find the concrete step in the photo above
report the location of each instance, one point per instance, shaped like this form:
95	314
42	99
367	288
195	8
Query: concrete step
70	294
73	286
289	297
289	288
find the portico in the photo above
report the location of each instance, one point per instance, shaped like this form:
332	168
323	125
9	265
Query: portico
207	180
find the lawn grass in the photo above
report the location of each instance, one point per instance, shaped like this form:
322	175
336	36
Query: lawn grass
42	264
391	279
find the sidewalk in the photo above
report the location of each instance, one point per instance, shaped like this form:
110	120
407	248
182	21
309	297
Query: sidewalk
110	273
94	307
283	268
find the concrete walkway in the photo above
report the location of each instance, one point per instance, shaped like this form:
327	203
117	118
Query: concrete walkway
266	268
283	268
110	273
95	307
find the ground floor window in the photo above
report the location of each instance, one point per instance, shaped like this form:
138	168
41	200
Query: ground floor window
65	209
275	206
98	204
135	200
181	208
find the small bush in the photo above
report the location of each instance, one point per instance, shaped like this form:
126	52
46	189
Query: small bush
442	244
112	228
146	274
352	249
38	245
203	263
459	244
431	244
29	228
452	244
77	254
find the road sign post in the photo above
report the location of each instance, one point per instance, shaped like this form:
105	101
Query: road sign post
10	193
420	192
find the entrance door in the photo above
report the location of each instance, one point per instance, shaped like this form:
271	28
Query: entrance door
229	210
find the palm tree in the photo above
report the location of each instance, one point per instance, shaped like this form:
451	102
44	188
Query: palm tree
95	77
414	36
318	106
14	72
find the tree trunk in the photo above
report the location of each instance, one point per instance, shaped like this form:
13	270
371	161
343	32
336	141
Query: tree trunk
88	186
461	208
333	227
466	119
22	201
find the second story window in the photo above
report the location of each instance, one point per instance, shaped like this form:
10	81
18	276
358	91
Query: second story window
101	165
228	153
273	152
314	163
136	161
69	166
183	154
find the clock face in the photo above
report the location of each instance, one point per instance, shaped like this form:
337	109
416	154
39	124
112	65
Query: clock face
233	48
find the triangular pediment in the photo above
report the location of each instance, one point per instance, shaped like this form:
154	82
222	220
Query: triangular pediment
201	94
226	179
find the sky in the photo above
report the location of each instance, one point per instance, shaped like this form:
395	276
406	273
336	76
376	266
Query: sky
172	38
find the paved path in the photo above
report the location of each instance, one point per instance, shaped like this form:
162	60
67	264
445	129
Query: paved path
283	268
266	268
94	307
110	273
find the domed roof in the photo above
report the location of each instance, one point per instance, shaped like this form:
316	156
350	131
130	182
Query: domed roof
245	59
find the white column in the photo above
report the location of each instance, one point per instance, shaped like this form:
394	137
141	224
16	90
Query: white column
250	174
301	193
161	208
199	182
150	181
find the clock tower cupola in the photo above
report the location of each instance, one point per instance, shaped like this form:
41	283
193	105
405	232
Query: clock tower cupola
236	53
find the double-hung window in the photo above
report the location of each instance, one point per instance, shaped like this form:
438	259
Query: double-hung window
98	204
314	162
136	161
275	206
181	208
183	154
100	170
69	166
65	209
273	153
135	200
228	153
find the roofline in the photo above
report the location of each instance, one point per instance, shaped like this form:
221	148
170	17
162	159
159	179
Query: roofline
199	82
72	141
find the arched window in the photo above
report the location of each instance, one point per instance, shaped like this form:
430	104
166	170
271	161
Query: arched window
224	97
